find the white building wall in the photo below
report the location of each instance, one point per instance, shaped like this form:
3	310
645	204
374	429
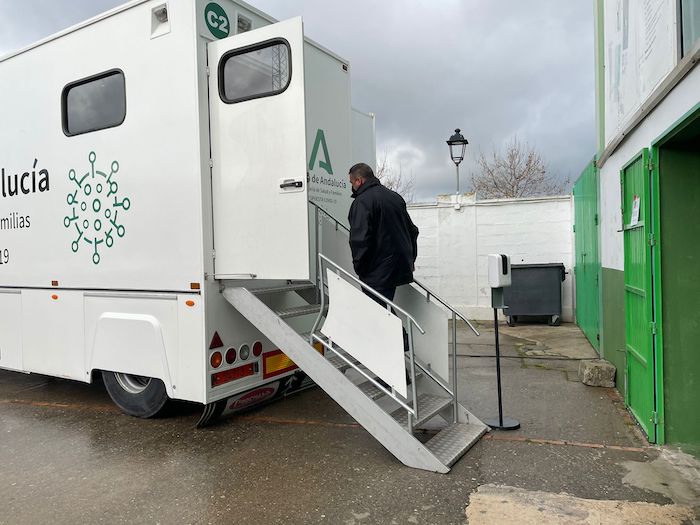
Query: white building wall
455	240
683	97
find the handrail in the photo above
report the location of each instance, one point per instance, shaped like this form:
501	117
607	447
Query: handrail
330	216
445	304
418	283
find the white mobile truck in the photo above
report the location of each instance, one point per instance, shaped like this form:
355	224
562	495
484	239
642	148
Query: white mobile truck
171	176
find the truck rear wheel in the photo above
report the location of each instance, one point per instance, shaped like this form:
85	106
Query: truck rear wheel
137	396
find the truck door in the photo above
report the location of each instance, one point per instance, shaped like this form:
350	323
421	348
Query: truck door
258	142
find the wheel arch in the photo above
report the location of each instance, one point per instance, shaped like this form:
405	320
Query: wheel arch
131	344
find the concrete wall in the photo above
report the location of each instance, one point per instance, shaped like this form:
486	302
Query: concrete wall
457	235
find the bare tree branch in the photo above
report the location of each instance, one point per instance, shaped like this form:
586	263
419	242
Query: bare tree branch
395	179
519	171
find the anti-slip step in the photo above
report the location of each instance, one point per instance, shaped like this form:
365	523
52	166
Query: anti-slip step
428	407
452	442
340	363
370	390
298	311
282	289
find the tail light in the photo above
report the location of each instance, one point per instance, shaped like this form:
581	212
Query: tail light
230	355
216	360
257	349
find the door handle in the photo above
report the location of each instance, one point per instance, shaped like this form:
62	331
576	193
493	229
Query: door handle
291	184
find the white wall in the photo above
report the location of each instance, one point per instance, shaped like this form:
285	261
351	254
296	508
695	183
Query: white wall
453	244
683	97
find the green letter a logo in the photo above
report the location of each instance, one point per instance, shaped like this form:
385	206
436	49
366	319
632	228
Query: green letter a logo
326	163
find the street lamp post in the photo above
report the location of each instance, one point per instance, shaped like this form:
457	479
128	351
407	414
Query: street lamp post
457	144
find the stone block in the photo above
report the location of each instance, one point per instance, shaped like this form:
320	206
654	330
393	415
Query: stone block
597	372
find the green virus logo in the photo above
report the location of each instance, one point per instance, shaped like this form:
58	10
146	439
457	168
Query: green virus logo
95	206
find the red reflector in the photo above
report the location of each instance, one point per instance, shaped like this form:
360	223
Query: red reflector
257	349
230	355
231	375
216	342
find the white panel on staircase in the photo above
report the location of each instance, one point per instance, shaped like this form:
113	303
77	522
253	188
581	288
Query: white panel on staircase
432	347
365	330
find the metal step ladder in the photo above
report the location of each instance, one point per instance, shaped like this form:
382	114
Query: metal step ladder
366	400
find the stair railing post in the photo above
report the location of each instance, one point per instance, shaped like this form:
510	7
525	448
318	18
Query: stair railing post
319	289
414	392
455	401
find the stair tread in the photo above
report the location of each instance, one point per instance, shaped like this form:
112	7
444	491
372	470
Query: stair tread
298	310
370	390
428	406
280	289
452	442
338	362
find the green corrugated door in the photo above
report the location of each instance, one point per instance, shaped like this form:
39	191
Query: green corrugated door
587	267
636	220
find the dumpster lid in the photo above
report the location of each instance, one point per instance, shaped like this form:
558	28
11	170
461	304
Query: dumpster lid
544	265
560	266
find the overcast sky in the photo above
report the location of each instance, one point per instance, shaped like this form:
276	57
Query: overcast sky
494	68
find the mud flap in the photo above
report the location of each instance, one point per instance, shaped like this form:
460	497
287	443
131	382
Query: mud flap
253	399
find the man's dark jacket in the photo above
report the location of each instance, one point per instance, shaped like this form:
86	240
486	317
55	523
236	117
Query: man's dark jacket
383	239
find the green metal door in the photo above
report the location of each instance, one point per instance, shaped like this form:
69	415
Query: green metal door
636	222
587	267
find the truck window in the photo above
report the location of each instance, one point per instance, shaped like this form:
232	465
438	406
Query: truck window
258	71
94	103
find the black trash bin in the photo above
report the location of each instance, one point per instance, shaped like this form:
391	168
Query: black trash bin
535	290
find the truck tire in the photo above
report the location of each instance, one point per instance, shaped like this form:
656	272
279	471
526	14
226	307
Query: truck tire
136	395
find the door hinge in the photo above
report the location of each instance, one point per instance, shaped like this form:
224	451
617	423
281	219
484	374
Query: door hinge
655	417
211	163
213	254
574	228
652	239
650	165
652	325
595	219
208	71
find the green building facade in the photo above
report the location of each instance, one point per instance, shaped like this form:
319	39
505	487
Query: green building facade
637	238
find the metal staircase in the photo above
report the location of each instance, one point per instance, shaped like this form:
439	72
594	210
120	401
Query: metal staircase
364	372
393	427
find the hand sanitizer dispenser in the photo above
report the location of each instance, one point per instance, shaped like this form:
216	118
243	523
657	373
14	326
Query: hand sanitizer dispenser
499	277
499	270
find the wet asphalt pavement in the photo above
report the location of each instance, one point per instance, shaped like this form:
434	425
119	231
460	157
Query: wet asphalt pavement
67	455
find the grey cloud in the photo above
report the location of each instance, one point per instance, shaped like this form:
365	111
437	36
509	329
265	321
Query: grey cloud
493	68
23	22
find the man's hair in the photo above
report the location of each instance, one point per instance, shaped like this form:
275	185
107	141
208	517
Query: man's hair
362	170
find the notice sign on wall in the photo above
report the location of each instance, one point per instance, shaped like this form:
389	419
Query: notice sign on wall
640	50
634	219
